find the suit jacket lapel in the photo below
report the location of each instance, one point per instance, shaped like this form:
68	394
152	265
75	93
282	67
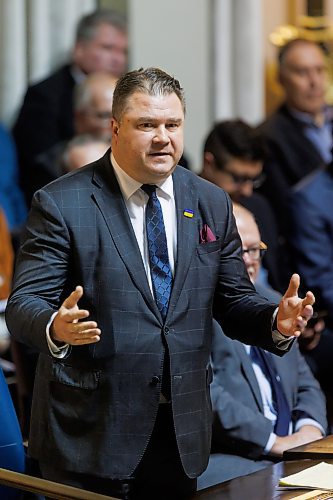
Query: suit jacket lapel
249	374
109	199
187	232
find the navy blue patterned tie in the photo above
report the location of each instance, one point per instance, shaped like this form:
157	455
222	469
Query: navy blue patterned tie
283	416
158	250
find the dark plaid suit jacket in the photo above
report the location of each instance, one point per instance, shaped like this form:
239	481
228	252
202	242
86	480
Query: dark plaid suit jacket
94	411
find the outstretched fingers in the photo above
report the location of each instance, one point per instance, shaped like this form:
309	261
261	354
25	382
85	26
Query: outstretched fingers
72	300
308	300
292	290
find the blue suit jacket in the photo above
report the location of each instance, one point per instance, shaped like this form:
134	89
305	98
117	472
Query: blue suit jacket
311	235
94	411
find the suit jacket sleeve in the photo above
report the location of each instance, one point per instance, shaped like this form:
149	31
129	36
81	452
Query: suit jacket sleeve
236	302
38	291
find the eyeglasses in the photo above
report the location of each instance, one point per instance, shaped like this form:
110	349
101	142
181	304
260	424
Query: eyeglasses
102	116
243	179
257	252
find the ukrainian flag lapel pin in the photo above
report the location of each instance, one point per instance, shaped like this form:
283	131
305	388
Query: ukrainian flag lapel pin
188	213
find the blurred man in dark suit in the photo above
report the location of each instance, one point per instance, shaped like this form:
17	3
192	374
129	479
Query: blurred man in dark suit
46	116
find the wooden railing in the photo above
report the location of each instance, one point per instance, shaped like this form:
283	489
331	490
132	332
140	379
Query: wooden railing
47	488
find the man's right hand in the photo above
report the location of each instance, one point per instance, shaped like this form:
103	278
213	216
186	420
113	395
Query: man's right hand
66	327
306	434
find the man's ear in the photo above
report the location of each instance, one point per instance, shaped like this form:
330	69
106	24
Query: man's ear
114	127
208	166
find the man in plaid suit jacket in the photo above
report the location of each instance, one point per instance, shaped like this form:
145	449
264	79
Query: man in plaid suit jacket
99	419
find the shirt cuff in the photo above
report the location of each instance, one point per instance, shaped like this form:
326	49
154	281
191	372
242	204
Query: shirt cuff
281	341
270	443
56	351
308	421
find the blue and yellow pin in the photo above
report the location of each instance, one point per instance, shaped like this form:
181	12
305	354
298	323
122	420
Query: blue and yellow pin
188	213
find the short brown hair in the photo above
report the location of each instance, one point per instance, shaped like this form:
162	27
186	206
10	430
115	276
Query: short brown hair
150	81
88	25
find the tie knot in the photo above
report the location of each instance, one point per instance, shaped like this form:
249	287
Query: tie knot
149	189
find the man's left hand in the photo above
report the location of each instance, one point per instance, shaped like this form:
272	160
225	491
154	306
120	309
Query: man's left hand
294	312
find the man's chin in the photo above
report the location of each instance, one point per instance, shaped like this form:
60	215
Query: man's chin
162	168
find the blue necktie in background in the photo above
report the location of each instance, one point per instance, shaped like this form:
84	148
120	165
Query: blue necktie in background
158	250
159	269
283	416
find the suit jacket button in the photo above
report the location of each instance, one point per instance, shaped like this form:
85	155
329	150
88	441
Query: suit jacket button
155	381
166	330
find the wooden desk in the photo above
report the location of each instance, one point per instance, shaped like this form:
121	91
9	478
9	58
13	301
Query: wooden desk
317	450
261	485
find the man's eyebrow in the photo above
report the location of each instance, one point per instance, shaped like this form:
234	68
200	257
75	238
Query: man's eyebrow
151	119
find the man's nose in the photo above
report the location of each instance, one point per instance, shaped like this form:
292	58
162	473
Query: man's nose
246	188
246	258
161	135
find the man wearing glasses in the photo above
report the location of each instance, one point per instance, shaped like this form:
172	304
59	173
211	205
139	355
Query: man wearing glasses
233	159
255	418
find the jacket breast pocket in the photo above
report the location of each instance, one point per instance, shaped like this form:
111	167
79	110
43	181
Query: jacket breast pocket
211	246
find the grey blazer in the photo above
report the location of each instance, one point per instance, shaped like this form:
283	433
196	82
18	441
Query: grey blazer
240	426
94	411
240	429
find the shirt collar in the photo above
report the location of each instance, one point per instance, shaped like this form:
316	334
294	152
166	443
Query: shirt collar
77	74
129	186
307	119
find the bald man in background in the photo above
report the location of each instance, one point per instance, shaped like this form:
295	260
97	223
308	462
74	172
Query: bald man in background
92	116
245	433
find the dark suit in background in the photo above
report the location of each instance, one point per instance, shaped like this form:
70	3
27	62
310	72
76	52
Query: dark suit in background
46	118
291	157
312	199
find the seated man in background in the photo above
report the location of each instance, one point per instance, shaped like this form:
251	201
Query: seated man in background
233	159
46	116
81	150
263	404
92	115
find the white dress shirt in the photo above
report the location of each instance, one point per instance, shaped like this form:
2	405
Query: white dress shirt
136	201
269	411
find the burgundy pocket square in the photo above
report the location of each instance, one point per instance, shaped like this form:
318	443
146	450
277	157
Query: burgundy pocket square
206	234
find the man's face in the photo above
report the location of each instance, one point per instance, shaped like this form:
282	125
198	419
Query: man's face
237	177
249	234
81	155
96	119
147	142
107	51
304	78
